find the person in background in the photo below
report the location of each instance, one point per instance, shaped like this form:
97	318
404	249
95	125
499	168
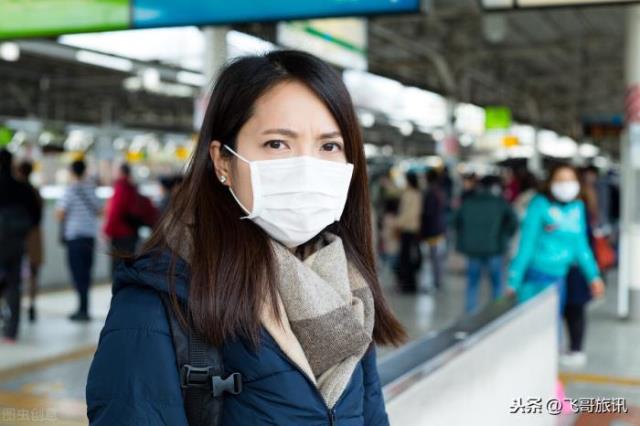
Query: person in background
601	196
448	186
553	237
78	211
408	224
167	185
484	225
117	227
389	236
528	190
34	247
19	213
511	185
433	226
469	184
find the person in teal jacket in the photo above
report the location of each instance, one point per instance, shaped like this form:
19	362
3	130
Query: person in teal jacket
553	238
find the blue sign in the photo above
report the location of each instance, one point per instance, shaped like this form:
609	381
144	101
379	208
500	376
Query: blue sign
167	13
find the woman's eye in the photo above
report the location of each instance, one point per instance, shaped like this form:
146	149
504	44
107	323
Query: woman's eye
332	147
275	144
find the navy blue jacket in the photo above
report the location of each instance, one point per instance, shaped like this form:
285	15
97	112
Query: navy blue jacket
133	378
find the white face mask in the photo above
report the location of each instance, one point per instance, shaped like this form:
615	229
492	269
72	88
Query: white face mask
565	191
296	198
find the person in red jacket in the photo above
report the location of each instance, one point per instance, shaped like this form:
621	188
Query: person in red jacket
118	226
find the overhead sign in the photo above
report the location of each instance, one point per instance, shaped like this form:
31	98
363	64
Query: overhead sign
28	18
497	117
511	4
339	41
19	18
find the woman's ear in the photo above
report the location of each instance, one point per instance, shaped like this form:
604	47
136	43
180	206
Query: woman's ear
221	163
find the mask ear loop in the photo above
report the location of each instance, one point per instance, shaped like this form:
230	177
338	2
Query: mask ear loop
231	189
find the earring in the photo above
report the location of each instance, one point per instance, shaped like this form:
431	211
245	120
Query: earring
223	179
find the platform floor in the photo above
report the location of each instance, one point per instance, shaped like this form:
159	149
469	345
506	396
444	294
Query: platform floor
43	376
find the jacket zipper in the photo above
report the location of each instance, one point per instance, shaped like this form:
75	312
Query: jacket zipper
330	411
332	417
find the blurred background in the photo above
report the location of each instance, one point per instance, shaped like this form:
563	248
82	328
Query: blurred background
458	100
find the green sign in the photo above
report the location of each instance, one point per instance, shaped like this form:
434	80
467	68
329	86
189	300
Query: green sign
497	117
5	136
28	18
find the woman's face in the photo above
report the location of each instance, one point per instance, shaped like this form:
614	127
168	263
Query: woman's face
288	121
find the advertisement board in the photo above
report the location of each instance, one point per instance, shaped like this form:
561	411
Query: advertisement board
30	18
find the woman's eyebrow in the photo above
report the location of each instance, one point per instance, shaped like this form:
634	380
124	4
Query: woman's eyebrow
331	135
292	134
284	132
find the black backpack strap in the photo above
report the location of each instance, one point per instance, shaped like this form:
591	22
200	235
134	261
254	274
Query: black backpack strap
201	373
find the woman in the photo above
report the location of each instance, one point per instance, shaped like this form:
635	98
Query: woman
553	237
269	243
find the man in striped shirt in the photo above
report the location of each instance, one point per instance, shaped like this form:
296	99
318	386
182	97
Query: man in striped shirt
78	211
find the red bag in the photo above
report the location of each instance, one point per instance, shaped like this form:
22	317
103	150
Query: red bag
605	254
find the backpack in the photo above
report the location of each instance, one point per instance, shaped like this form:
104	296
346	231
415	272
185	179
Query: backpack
201	372
15	223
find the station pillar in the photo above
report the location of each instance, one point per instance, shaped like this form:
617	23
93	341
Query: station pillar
629	272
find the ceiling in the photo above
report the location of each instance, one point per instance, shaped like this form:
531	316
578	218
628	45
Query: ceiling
553	67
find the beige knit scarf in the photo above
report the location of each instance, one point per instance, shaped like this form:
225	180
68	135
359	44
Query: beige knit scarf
328	315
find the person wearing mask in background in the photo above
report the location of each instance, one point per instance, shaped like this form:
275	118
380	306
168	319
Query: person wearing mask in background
433	225
78	212
408	225
553	237
19	213
484	225
268	247
34	247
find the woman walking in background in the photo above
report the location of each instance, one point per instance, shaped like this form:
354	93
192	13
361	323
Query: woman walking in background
553	237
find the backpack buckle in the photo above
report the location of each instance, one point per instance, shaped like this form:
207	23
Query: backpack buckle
194	377
232	384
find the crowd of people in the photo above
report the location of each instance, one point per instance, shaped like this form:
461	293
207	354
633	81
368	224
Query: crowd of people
78	212
525	234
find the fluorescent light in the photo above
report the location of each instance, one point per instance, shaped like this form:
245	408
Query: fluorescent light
151	78
10	51
588	150
192	78
367	119
106	61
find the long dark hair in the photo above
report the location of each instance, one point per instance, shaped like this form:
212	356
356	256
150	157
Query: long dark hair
232	267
